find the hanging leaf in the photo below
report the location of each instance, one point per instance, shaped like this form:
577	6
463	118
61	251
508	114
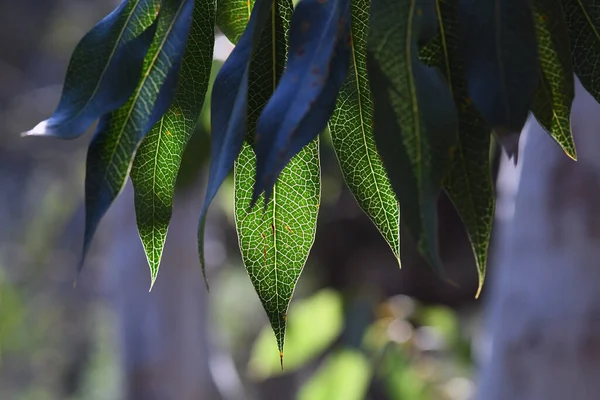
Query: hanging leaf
233	16
104	69
158	158
583	23
556	90
275	243
415	121
229	103
305	98
469	182
352	134
501	64
119	133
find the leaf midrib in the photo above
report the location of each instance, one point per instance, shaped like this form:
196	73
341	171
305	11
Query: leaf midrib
140	87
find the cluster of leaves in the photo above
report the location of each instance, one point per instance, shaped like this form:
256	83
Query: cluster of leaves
410	91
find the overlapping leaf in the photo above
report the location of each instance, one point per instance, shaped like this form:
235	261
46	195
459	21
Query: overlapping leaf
229	109
275	243
104	69
119	133
583	22
232	17
469	182
501	64
352	134
415	121
305	98
556	90
158	158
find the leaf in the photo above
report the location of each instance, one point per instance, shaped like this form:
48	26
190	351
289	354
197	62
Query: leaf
229	103
119	133
305	98
275	243
233	16
501	64
158	158
583	22
469	182
556	90
414	115
352	134
345	375
103	70
303	343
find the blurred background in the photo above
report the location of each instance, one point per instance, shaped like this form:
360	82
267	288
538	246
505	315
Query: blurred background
359	327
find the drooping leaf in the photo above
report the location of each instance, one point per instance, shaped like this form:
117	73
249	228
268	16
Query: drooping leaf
305	98
556	90
469	182
233	16
501	64
352	134
229	103
158	158
414	116
103	70
583	22
275	243
119	133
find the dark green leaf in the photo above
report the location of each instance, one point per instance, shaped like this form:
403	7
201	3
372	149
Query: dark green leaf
104	69
583	22
352	133
275	243
501	64
556	90
119	133
415	120
158	158
305	98
229	103
469	181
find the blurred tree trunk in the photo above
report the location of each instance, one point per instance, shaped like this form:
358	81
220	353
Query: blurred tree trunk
163	334
545	300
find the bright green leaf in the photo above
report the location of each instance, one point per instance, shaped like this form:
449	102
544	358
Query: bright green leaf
158	158
303	342
415	121
556	91
232	17
345	375
352	134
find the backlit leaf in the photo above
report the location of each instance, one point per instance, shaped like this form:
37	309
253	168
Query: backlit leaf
232	17
501	64
469	182
229	110
305	98
119	133
158	158
104	69
352	134
556	90
275	243
583	22
415	121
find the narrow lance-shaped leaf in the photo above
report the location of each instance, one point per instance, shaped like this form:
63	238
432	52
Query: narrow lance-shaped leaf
119	133
414	115
469	181
583	22
229	103
104	69
233	16
305	98
275	243
501	64
556	90
352	134
158	158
